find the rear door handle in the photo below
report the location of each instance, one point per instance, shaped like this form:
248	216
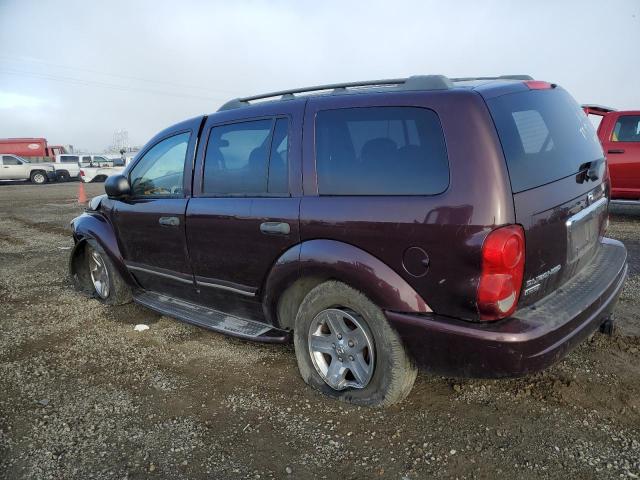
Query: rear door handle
169	221
275	228
615	151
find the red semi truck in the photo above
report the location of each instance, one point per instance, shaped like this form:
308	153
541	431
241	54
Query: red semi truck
31	148
619	133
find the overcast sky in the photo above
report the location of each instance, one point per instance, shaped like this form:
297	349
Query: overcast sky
76	71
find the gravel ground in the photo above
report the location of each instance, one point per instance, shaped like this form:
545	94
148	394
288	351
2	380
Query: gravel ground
82	395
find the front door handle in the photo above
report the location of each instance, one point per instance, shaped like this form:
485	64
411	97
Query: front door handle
619	150
275	228
169	221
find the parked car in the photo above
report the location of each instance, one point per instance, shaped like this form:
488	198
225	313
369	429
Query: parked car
67	167
454	224
619	133
13	167
99	168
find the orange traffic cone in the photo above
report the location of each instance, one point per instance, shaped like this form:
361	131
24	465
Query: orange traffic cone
82	196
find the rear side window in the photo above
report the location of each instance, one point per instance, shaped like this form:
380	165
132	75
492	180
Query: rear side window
627	129
380	151
545	136
69	159
279	161
247	158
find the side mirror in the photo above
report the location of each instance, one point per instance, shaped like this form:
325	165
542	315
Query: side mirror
117	187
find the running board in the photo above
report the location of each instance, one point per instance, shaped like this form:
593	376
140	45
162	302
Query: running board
211	319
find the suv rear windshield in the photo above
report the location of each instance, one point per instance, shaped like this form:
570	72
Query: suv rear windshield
380	151
545	136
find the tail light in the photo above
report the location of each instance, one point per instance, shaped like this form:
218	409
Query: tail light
499	288
82	173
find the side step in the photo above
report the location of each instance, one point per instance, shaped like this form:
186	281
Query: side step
211	319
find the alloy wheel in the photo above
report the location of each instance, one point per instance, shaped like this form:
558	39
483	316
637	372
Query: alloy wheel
99	274
342	348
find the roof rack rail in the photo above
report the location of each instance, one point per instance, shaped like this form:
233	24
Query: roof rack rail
501	77
416	82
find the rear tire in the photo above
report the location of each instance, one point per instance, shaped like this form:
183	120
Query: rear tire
63	176
38	177
393	372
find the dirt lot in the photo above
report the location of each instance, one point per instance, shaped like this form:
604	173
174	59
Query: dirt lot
82	395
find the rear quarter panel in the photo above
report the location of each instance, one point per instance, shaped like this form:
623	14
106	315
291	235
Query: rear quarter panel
449	227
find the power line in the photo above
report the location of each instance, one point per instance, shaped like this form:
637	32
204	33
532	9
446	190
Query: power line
117	75
88	83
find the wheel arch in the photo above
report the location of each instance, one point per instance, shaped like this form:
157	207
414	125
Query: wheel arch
310	263
60	173
36	170
94	226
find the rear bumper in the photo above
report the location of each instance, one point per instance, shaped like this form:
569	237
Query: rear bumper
534	338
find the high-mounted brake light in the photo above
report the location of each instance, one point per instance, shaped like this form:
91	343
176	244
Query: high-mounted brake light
539	85
503	253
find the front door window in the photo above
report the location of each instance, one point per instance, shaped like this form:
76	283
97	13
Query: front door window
160	172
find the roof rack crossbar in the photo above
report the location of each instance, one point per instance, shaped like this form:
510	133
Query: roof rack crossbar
418	82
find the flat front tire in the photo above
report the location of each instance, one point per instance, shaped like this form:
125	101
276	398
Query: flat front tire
101	278
346	348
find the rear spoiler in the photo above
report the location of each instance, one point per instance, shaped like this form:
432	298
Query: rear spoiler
599	110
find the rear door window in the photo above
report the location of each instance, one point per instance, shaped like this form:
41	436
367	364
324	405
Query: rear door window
248	158
545	136
380	151
627	129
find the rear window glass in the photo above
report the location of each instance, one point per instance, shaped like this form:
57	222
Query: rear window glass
380	151
545	136
248	158
627	129
69	159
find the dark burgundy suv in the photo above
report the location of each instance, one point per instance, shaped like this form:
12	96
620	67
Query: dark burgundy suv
453	224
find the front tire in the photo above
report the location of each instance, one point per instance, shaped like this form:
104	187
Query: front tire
346	348
38	177
101	278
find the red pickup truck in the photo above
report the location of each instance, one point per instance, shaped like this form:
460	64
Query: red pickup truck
619	133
